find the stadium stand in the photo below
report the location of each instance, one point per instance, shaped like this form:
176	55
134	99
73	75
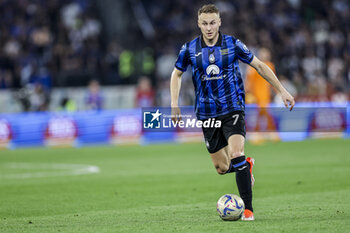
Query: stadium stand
49	44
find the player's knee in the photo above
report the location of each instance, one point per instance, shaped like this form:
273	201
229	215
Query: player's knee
221	170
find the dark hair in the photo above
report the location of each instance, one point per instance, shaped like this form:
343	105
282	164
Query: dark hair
209	8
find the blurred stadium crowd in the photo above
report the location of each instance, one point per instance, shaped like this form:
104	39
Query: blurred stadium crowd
62	43
44	43
309	40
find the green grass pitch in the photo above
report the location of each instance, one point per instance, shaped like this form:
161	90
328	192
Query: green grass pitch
300	187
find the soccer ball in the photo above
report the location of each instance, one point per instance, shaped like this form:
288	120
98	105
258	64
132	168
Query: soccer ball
230	207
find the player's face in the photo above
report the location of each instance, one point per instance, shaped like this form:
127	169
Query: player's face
209	23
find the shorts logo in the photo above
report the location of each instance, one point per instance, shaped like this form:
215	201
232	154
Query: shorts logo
151	120
207	144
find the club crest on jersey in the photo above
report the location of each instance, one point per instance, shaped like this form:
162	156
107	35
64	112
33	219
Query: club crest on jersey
211	58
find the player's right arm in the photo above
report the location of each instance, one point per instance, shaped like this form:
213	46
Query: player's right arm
175	85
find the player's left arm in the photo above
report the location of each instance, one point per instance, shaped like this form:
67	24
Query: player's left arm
269	76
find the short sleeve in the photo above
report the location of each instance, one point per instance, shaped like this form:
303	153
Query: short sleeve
242	52
183	60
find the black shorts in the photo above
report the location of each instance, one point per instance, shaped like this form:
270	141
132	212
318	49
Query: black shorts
232	123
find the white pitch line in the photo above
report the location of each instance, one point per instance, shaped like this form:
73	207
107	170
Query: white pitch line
63	170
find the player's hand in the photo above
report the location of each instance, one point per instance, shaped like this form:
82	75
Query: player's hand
288	100
175	114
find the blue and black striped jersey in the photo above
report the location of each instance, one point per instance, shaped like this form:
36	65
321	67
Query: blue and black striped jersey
215	74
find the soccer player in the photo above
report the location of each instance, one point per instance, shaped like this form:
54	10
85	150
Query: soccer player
220	94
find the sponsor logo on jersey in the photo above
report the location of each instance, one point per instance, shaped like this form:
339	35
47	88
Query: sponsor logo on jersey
212	73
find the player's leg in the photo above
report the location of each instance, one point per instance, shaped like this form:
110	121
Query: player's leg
243	175
221	161
216	143
234	131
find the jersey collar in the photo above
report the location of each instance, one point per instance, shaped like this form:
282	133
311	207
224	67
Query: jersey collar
218	43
